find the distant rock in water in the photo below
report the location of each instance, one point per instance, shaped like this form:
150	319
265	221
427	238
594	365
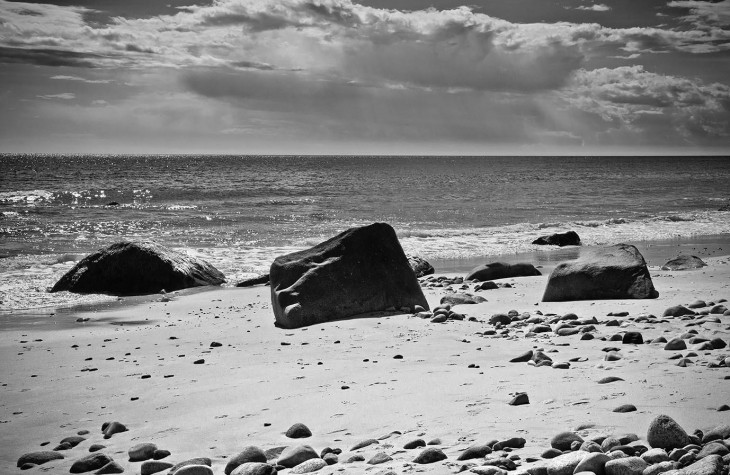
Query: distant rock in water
501	270
258	280
570	238
358	271
684	262
137	268
420	266
611	272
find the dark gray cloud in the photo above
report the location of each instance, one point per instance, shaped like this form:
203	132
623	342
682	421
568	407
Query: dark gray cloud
48	57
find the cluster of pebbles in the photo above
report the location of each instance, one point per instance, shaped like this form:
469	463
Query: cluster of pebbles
667	448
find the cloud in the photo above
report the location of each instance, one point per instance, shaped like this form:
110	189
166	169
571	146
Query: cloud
77	78
598	7
64	95
704	14
47	57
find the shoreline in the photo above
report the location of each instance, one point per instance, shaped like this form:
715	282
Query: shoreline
136	364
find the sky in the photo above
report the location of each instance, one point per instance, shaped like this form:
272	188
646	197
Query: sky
483	77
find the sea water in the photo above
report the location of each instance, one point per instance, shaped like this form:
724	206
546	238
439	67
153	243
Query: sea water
240	212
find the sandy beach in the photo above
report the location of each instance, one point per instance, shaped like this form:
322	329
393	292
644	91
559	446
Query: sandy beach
207	374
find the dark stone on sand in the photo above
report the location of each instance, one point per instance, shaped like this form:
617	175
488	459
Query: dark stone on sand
665	433
713	448
625	408
90	462
73	441
565	464
569	238
684	262
331	459
563	440
500	318
462	299
96	447
524	357
160	454
254	468
137	268
512	443
718	343
710	465
39	458
363	443
677	311
717	433
194	470
380	457
247	454
632	338
414	444
611	272
153	466
486	285
358	271
111	467
501	270
475	452
296	454
258	280
430	455
111	428
520	399
675	344
609	379
189	462
625	466
355	458
141	452
718	309
297	431
420	266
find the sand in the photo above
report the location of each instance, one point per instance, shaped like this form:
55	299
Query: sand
135	363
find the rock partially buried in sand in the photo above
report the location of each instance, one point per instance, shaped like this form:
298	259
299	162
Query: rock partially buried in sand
665	433
294	455
611	272
110	468
194	461
111	428
358	271
462	299
298	431
569	238
430	455
90	462
311	465
501	270
564	440
39	458
194	470
142	452
153	466
254	468
137	268
684	262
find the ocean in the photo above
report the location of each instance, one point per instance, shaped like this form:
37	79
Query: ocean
240	212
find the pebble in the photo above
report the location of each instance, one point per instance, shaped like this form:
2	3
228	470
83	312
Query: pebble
296	454
660	467
160	454
248	454
625	466
414	444
609	379
677	311
488	470
665	433
90	462
593	462
355	458
194	470
39	458
633	338
430	455
96	447
363	443
141	452
380	457
564	440
565	464
475	452
190	462
298	431
625	408
111	428
308	466
152	466
520	399
254	468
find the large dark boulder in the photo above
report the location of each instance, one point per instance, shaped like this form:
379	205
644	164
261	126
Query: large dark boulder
420	266
684	262
137	268
358	271
610	272
501	270
570	238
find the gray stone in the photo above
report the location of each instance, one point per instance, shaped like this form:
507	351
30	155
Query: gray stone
110	468
684	262
308	466
141	452
611	272
193	461
39	458
153	466
364	443
296	454
665	433
430	455
380	457
359	271
565	464
719	432
593	462
501	270
90	462
660	467
298	431
563	440
713	448
710	465
676	344
247	454
626	466
254	468
475	452
194	470
653	456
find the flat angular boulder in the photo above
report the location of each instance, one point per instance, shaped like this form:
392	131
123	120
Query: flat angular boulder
359	271
611	272
684	262
570	238
501	270
137	268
